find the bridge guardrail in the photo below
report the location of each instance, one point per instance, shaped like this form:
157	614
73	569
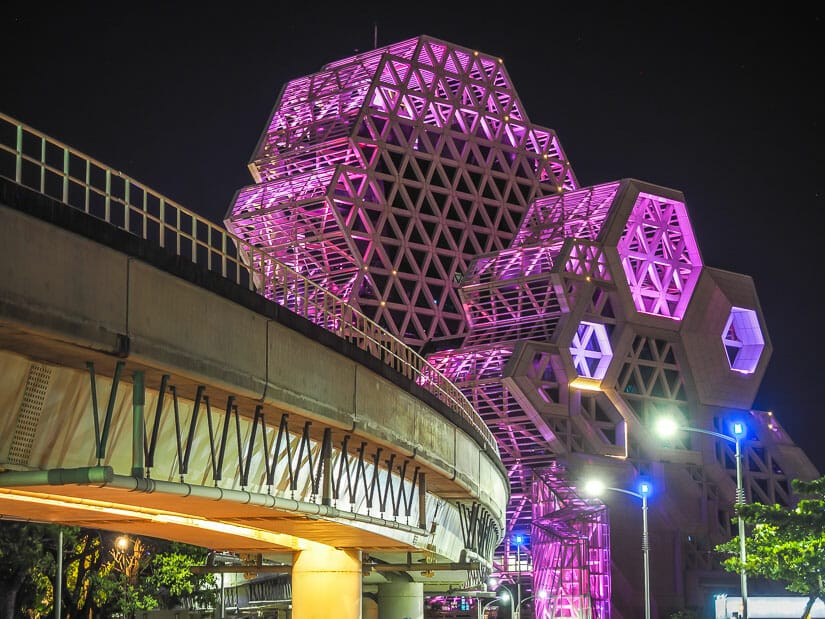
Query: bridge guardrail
37	161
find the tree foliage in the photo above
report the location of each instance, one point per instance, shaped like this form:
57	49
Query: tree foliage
24	555
787	544
99	578
172	578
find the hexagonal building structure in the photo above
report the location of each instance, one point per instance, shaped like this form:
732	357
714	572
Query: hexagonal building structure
409	181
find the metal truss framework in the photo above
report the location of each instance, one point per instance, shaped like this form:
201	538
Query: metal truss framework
383	175
571	550
294	461
252	451
409	181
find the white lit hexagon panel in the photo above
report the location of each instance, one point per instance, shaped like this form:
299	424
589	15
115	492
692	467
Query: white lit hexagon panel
743	340
591	350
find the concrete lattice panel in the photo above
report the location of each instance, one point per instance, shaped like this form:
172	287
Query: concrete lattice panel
652	252
409	181
717	295
383	175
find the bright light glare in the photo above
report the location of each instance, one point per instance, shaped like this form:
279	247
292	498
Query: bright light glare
645	488
739	429
594	487
666	426
504	597
155	516
122	542
542	595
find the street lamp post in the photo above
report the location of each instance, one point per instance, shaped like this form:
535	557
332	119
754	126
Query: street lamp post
482	609
121	545
542	595
666	426
517	605
594	488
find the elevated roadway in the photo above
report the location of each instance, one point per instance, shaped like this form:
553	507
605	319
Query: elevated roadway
146	387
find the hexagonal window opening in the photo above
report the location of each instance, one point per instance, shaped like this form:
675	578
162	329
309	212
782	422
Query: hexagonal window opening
591	350
660	256
743	340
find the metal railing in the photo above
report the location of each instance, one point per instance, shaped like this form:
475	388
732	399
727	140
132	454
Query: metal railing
34	160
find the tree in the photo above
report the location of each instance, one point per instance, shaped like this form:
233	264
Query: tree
144	573
787	543
82	560
99	577
173	579
24	556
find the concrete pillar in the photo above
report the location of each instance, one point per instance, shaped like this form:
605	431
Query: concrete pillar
401	600
326	582
369	608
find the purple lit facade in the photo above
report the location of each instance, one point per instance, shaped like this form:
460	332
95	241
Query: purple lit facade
409	181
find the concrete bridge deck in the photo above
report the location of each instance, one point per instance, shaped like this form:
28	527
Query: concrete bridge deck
141	392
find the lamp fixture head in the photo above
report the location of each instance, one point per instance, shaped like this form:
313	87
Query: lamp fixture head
666	427
739	429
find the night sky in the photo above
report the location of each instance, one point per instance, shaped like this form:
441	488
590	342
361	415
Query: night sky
726	107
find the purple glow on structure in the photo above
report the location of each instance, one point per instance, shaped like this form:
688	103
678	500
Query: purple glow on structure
510	295
743	340
591	350
586	259
385	173
571	551
471	365
660	256
575	214
409	182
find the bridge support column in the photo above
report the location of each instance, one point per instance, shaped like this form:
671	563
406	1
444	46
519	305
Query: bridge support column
369	607
326	582
401	600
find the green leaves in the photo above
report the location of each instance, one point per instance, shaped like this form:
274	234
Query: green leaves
786	544
97	577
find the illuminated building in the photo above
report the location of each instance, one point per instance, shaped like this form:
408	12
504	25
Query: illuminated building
409	181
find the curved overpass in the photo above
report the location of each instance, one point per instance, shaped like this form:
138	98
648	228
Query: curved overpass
144	392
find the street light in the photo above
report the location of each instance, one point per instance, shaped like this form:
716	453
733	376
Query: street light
518	539
127	554
594	487
542	595
666	427
504	597
121	545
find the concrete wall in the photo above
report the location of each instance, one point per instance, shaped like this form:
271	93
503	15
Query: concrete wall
69	292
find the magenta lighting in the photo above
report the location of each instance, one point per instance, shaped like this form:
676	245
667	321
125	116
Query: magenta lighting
570	549
383	175
660	256
409	181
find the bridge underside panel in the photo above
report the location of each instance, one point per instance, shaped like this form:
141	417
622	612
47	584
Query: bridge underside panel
197	520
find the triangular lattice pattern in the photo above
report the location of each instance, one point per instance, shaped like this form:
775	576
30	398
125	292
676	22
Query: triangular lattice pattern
591	350
660	256
383	175
575	214
409	181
